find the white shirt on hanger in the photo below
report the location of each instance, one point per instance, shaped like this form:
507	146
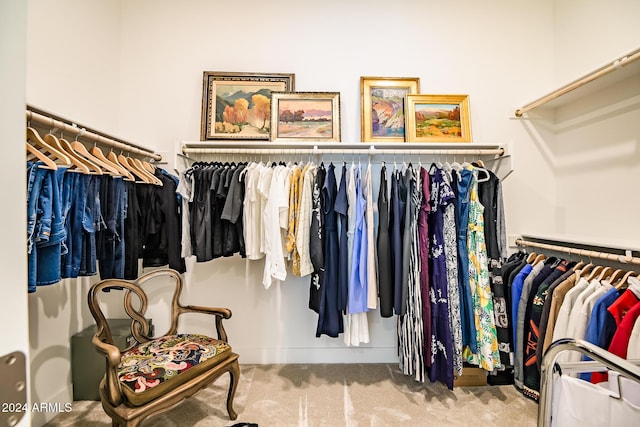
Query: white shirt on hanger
372	279
185	189
562	321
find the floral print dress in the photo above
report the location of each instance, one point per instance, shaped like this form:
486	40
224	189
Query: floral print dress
487	356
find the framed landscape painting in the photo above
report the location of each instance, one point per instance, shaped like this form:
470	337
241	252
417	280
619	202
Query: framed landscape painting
441	118
382	107
305	116
238	105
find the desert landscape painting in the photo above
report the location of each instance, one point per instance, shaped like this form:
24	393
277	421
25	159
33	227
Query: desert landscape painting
438	120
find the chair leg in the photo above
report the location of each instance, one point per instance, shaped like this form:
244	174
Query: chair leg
234	372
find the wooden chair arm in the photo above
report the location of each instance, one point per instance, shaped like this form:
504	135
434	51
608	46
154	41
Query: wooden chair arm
113	357
219	312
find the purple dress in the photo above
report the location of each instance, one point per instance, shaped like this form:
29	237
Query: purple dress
423	242
441	338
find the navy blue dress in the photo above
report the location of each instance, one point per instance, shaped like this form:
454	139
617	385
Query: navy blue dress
329	316
385	271
441	337
398	200
341	208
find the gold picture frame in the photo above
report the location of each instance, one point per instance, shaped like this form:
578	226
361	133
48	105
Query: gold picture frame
235	105
382	107
437	118
305	116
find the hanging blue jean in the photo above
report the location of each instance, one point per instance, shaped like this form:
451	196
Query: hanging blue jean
466	304
77	188
37	205
91	221
48	252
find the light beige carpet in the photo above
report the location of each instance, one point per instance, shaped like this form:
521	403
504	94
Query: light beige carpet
333	395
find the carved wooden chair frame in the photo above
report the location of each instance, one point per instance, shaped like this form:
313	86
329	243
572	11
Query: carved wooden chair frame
114	400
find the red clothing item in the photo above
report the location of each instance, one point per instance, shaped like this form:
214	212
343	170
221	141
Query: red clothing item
622	305
620	340
625	310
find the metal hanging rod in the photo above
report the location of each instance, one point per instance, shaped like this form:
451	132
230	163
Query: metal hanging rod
600	72
609	360
54	122
628	258
341	148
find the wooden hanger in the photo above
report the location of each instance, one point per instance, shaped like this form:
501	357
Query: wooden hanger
578	265
76	164
128	176
143	175
93	168
148	167
79	148
613	277
622	283
98	154
584	270
531	257
539	258
596	270
133	170
152	177
606	272
37	154
33	138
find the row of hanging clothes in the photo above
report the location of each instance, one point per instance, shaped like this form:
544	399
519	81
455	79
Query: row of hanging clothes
425	245
89	212
553	298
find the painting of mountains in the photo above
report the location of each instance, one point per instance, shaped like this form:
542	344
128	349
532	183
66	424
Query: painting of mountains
387	112
238	105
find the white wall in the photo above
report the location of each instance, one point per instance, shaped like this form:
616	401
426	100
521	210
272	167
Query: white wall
593	148
13	262
460	47
72	70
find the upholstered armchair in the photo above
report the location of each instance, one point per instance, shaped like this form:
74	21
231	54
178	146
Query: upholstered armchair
155	373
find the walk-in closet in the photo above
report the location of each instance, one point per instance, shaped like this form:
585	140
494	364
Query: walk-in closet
423	213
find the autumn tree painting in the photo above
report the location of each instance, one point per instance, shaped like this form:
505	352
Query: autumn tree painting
262	108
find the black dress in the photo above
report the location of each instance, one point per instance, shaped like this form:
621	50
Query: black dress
329	316
385	272
316	246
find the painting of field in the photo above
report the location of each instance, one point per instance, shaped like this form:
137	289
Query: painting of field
438	120
305	118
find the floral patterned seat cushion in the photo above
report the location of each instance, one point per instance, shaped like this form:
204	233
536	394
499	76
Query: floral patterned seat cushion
150	369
